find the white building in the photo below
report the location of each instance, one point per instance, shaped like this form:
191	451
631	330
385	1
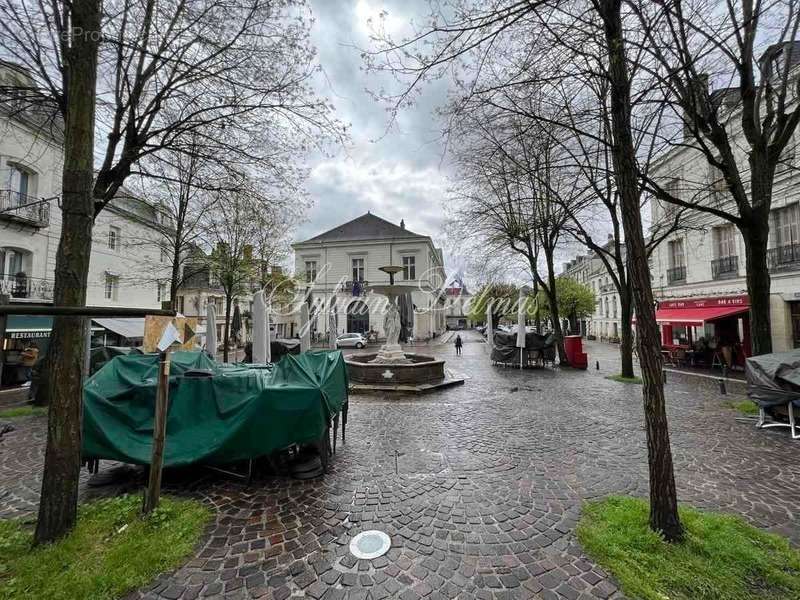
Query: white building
698	273
340	264
126	267
589	270
458	300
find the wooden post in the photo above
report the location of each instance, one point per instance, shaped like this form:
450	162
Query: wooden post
153	490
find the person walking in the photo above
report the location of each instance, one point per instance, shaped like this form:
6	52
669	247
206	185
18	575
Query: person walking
459	343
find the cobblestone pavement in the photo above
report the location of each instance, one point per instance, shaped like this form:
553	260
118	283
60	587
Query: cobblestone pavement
488	486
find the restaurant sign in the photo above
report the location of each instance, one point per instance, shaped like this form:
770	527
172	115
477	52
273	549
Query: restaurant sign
743	301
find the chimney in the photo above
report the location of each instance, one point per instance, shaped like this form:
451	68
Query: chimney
402	224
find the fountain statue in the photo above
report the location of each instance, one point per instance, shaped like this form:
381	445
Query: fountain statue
391	369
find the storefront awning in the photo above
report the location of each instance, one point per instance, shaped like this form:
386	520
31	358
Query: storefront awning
28	327
697	316
132	327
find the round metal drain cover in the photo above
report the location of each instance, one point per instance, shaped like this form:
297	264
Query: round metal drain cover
370	544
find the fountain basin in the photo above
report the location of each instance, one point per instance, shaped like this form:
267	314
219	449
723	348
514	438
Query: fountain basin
419	373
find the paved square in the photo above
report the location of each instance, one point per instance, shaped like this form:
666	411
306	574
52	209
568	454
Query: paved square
489	484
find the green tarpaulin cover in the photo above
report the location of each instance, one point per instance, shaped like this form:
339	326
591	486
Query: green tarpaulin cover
239	413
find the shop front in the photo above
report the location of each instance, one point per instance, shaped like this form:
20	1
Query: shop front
706	331
22	332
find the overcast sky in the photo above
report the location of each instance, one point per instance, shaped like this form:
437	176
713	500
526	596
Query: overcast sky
395	174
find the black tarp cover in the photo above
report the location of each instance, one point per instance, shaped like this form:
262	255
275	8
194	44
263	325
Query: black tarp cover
505	346
774	379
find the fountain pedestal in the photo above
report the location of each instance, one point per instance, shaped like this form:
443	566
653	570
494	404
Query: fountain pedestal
391	354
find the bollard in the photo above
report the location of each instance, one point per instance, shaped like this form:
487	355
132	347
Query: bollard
597	364
664	375
722	389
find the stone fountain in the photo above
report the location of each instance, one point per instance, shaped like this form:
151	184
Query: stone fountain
392	369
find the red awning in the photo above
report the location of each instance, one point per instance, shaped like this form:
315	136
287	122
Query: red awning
697	316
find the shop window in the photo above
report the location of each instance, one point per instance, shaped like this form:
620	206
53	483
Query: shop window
795	308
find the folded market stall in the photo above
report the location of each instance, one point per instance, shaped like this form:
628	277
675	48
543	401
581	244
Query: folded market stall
218	414
538	347
773	382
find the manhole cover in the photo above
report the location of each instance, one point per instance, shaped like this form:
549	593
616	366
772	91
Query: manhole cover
370	544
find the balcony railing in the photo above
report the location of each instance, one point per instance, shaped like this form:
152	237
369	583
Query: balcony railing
676	275
784	258
727	266
24	287
608	287
24	209
356	288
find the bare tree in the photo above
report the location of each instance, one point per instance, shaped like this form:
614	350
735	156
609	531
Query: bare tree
233	76
472	34
743	128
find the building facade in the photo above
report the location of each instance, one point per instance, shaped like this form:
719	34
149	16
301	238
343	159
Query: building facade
458	300
126	266
604	322
701	267
338	267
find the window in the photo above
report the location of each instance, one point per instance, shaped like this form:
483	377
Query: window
409	268
614	307
358	269
724	241
161	292
785	226
676	256
163	256
20	182
113	238
112	286
673	188
311	271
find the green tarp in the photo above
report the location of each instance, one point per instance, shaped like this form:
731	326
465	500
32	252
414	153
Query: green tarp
239	413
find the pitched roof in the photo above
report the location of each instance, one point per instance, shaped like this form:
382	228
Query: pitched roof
365	227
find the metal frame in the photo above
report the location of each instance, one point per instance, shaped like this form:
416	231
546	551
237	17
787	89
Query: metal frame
762	424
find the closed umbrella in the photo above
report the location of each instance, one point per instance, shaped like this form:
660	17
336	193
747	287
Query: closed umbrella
305	334
211	330
521	326
489	329
259	328
332	330
267	335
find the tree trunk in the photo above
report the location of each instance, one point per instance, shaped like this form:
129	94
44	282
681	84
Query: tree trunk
626	334
174	279
756	237
227	336
66	356
663	494
552	298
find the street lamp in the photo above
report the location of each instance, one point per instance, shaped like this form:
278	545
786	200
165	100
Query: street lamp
391	270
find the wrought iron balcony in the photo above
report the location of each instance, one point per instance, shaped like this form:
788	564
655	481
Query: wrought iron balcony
24	209
725	267
608	287
676	275
24	287
356	288
784	258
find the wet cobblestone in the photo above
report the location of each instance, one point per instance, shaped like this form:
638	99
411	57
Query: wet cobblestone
480	488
